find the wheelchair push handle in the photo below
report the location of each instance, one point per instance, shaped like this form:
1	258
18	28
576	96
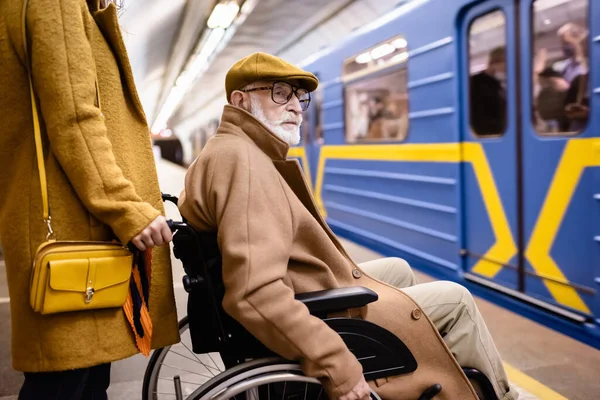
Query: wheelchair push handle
173	225
169	197
176	225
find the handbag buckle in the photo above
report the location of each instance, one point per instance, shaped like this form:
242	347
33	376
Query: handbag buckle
48	222
89	293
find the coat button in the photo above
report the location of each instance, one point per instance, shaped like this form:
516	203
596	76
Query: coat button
416	313
356	273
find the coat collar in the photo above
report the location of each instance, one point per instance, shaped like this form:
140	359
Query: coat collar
241	123
93	5
107	21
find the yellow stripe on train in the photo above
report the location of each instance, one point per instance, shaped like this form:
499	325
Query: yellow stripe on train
578	154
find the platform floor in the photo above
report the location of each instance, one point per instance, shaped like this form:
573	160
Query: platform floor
542	363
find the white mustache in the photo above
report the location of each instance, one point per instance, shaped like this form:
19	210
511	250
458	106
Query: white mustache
290	136
289	117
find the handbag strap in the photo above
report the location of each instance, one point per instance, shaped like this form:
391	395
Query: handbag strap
36	127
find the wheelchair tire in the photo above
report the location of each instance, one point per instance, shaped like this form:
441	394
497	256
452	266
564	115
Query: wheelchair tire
253	374
257	371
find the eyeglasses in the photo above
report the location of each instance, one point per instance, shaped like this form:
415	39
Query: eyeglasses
281	93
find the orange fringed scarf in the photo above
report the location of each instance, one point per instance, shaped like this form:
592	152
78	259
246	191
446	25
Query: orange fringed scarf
136	305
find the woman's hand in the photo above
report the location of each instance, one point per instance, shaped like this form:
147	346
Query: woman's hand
156	233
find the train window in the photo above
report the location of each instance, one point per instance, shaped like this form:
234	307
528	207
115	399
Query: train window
560	94
306	125
384	55
318	113
314	112
487	75
377	104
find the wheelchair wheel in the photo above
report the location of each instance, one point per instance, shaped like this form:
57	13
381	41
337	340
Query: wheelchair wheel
179	360
260	379
204	377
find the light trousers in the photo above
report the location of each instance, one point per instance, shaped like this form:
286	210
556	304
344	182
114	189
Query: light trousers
453	311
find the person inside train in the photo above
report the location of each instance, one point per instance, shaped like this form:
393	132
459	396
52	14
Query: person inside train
488	96
577	99
572	37
378	115
561	99
102	185
275	243
550	101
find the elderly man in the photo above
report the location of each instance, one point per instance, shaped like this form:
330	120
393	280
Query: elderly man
274	243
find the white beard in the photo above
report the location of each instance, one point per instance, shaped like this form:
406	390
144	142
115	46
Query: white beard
291	137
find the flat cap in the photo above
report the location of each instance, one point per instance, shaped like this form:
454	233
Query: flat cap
265	67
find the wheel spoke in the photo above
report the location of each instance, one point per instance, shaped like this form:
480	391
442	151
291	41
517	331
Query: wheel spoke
197	360
194	354
188	382
214	362
187	370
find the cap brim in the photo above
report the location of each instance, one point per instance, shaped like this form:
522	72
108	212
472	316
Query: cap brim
307	82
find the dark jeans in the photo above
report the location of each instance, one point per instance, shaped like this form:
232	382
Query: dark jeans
79	384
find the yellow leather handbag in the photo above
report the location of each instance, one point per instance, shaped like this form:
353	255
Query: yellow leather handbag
73	275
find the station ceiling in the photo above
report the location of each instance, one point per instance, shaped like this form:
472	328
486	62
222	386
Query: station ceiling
163	35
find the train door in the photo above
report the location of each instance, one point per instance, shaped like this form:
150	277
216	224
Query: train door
312	137
560	150
489	135
530	152
313	147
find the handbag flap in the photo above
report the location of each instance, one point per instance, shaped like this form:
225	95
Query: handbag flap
69	275
111	271
76	275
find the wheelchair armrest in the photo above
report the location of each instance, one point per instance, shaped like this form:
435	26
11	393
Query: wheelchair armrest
332	300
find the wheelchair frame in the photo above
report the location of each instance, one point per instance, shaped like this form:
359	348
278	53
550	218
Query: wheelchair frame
381	353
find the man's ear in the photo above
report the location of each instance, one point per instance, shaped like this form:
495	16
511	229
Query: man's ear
239	99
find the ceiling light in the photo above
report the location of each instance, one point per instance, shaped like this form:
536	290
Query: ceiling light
381	51
222	23
400	43
211	43
398	58
223	15
175	96
363	58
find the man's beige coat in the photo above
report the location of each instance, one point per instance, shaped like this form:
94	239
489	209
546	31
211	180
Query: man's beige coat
275	243
101	175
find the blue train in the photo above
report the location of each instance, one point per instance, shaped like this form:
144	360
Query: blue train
463	136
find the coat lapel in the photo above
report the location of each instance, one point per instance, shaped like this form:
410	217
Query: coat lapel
292	174
236	121
108	23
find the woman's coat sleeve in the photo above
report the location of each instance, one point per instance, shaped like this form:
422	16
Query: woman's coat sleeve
64	74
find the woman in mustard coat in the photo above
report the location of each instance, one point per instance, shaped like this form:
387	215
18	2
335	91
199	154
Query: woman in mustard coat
102	184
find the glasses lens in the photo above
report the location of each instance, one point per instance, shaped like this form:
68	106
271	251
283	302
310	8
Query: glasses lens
282	92
304	98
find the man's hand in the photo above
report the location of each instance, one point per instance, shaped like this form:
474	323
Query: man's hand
362	391
156	233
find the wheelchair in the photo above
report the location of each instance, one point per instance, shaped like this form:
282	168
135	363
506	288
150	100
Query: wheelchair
218	359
